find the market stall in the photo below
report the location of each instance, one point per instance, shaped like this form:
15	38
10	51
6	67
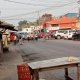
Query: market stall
4	36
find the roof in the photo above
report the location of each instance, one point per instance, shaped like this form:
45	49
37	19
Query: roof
7	25
70	15
65	19
53	21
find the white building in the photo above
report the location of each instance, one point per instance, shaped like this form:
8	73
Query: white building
28	30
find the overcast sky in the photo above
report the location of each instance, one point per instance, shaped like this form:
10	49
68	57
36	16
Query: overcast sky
13	11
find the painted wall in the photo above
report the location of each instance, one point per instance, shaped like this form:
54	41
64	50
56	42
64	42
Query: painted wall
62	23
78	24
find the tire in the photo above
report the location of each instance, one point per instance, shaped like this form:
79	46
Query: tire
58	37
64	38
67	38
73	38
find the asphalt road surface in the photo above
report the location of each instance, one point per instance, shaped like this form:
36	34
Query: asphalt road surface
50	49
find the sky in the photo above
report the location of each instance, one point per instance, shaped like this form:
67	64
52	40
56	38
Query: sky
13	11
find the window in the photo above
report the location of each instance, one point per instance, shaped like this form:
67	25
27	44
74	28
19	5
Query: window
65	32
54	25
61	31
72	31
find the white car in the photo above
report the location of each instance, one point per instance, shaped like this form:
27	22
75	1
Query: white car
59	34
68	34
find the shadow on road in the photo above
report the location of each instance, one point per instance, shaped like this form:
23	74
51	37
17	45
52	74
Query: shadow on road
28	56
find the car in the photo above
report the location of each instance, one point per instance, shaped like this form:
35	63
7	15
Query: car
68	34
76	35
59	34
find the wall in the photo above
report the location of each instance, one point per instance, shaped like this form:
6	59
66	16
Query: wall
78	24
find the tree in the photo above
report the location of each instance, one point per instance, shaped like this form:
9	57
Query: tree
25	24
45	17
22	24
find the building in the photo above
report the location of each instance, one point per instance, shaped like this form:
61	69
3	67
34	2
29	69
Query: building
52	25
66	22
78	24
62	23
70	15
28	30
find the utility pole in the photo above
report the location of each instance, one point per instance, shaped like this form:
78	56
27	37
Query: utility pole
38	17
79	9
79	14
0	12
38	20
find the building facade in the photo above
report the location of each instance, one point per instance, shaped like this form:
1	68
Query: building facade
62	23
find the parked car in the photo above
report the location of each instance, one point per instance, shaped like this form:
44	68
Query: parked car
59	34
76	35
68	34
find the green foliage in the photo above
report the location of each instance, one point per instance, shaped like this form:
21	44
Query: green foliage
49	16
31	23
26	24
45	17
21	23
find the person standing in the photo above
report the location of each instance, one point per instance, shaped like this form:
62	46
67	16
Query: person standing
21	40
15	39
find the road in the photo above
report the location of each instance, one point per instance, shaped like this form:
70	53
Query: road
50	49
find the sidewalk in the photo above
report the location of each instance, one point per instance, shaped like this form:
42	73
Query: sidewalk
9	62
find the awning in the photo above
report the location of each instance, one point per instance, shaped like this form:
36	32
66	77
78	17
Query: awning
7	26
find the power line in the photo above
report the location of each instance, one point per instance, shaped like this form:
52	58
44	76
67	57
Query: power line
26	3
18	18
2	8
13	8
34	18
25	8
39	10
64	6
30	3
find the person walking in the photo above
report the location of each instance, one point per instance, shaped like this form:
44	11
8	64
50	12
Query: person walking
20	40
